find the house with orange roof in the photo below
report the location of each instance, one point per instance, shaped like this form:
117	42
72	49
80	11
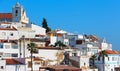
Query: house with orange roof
112	61
11	64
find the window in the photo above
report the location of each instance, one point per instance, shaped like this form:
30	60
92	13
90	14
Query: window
84	64
7	46
108	58
36	35
1	67
11	34
1	46
7	55
112	58
14	55
74	54
16	13
14	46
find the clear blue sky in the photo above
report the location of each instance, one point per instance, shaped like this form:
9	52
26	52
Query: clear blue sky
98	17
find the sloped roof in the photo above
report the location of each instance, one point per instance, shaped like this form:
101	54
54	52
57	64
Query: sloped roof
12	62
6	15
111	52
37	59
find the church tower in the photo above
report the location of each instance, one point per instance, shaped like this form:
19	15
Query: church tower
19	14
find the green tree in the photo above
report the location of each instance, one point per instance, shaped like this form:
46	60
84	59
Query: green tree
45	25
92	59
32	48
60	44
103	54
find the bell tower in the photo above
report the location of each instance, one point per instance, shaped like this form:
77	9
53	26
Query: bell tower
19	14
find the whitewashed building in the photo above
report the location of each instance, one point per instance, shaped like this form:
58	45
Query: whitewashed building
78	59
51	54
58	35
111	61
2	64
9	50
14	65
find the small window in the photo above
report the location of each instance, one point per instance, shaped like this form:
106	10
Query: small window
112	58
15	55
108	58
1	46
7	55
36	35
16	13
84	64
74	54
2	67
7	46
11	34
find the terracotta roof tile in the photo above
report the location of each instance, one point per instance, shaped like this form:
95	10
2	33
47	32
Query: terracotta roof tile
6	15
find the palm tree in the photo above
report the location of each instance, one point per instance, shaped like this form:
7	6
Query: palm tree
103	54
93	59
32	48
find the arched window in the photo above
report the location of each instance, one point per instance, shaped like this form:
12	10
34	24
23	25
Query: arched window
16	13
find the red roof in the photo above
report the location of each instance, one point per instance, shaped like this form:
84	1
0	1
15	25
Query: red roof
111	52
12	62
37	59
6	15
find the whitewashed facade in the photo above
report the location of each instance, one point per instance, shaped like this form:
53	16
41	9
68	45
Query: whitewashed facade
112	61
9	50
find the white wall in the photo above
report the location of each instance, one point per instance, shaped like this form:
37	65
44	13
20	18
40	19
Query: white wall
7	48
27	34
84	61
110	63
15	68
38	29
106	46
6	34
53	39
48	53
2	63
